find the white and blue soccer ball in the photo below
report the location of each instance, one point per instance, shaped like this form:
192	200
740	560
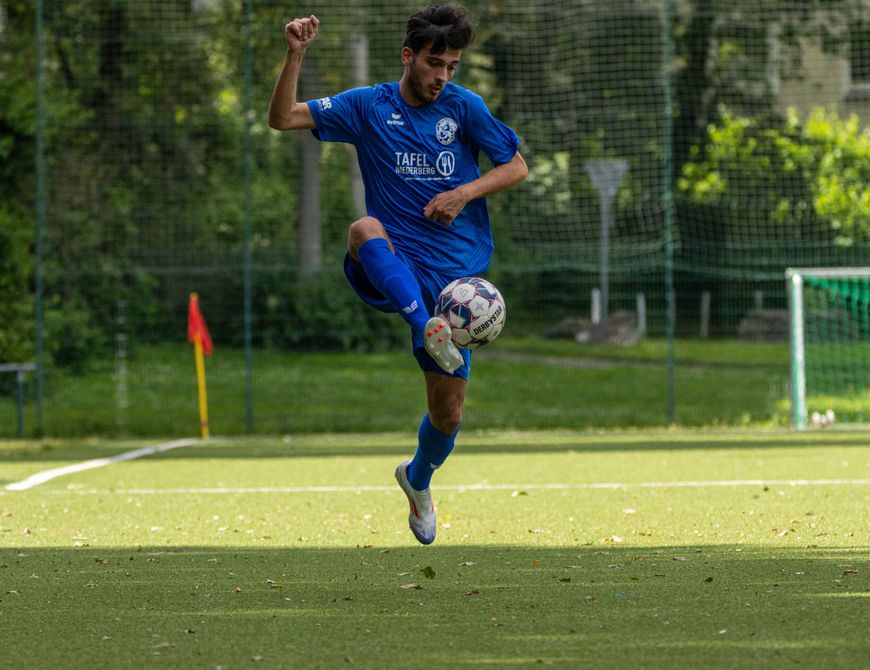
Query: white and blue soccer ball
475	310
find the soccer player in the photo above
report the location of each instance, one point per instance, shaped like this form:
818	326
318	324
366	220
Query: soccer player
417	143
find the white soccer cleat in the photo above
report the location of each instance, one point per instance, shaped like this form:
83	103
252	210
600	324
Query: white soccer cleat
422	516
439	343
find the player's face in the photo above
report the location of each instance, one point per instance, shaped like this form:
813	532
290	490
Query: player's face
426	74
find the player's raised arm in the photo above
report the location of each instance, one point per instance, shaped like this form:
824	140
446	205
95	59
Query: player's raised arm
285	112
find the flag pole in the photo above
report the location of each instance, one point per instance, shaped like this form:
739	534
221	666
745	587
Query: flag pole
197	333
200	383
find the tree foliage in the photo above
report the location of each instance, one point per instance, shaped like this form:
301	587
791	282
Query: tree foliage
146	146
808	175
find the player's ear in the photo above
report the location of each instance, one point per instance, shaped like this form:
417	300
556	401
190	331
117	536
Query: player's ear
407	55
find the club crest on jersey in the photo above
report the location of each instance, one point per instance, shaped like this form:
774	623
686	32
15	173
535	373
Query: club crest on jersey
445	130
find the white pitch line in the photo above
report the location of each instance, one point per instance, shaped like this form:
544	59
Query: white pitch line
479	487
47	475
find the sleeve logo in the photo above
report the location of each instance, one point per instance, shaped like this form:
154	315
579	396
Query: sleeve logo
445	130
324	104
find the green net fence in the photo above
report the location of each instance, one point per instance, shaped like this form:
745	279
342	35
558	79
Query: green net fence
731	134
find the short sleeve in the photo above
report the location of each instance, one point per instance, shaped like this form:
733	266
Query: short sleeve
339	118
493	137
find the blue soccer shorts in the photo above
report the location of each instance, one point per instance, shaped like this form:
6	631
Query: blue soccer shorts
430	283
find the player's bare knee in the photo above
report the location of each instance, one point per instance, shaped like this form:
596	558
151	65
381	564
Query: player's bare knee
361	231
447	419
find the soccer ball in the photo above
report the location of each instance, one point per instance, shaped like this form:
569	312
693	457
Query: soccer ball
474	309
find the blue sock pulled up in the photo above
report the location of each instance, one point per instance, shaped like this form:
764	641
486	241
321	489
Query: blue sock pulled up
395	282
433	448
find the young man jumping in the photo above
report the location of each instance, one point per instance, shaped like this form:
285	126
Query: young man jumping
417	143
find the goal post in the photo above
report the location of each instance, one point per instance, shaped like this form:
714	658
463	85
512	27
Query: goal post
829	336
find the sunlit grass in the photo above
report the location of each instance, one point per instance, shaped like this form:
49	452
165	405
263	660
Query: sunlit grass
225	553
517	383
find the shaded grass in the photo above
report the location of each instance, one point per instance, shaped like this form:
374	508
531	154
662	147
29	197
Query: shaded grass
520	384
721	606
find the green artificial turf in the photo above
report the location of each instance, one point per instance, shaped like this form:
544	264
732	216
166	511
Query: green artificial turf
573	549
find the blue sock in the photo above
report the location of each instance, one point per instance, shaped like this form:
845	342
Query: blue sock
433	449
395	282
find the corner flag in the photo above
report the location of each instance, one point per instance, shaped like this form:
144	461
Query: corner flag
196	326
197	333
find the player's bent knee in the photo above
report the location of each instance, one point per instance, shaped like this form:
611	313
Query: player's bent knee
361	231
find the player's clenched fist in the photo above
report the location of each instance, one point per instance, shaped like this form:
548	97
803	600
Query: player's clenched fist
301	32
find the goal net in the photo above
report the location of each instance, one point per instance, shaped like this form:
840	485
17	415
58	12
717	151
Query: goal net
830	345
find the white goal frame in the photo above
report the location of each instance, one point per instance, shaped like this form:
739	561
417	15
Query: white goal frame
795	288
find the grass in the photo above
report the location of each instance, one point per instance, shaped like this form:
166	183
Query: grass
522	384
221	554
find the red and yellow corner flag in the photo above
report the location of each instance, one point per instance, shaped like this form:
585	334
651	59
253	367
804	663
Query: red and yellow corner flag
197	333
196	326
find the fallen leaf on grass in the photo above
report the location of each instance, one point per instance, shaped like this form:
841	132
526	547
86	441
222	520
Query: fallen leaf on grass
473	592
412	585
467	564
850	572
274	585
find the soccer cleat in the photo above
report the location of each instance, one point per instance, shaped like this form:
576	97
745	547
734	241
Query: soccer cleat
439	344
422	516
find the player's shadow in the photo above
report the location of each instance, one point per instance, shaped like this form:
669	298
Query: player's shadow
439	606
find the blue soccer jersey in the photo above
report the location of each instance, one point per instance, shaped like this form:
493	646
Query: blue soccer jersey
408	155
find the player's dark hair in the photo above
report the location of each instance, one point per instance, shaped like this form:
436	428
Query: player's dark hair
442	26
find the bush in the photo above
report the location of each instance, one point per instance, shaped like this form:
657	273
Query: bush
323	312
